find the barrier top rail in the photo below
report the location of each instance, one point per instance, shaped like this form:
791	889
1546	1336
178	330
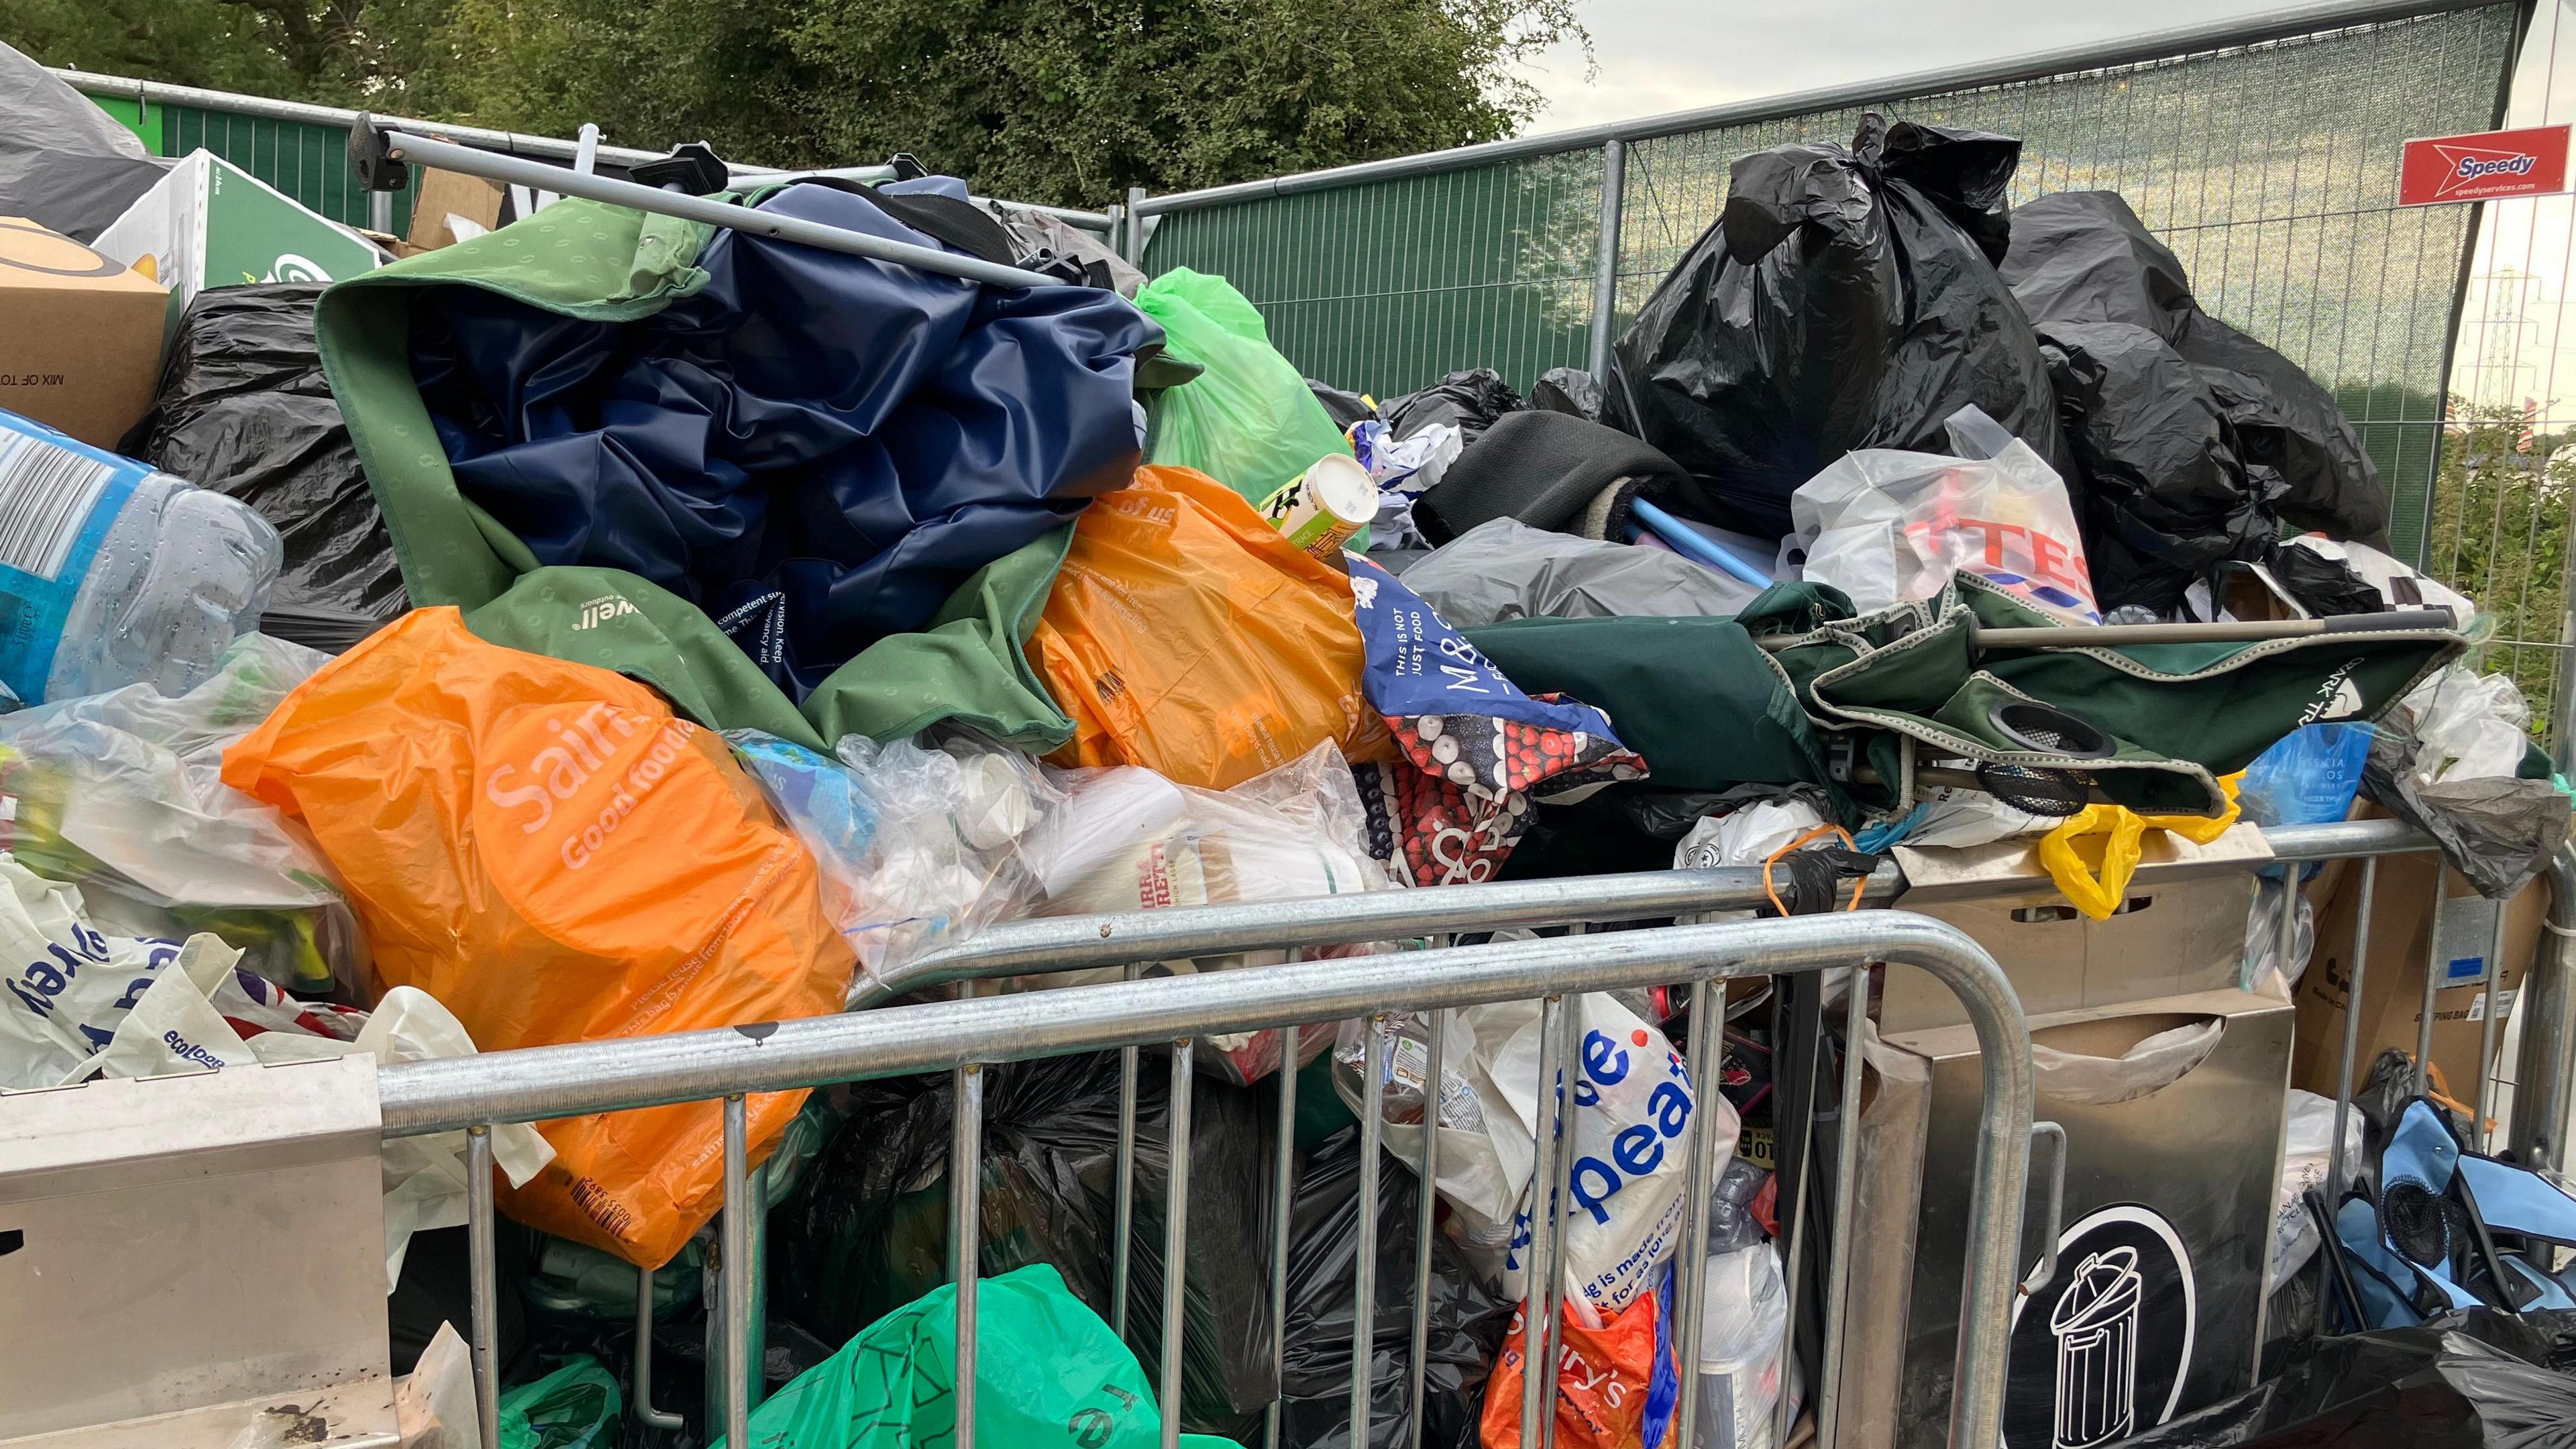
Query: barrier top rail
2096	55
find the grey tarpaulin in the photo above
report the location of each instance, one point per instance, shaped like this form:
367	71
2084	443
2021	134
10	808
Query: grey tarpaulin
1505	569
64	163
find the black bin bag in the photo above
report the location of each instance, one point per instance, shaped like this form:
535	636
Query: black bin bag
2193	439
243	409
1845	298
1468	1320
866	1232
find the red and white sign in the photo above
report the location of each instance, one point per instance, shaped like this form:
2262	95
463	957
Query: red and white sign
2439	170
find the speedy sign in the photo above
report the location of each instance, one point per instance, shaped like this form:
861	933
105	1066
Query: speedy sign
2443	169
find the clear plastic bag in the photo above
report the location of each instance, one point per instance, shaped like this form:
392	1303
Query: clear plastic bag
1887	527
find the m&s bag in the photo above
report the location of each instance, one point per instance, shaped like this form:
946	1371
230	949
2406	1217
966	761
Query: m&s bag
547	850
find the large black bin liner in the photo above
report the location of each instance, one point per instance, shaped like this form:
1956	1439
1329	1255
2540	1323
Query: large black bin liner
1846	298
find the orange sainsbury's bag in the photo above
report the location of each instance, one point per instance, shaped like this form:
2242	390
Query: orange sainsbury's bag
1185	634
544	848
1615	1385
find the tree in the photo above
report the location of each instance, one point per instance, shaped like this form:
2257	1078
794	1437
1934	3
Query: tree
1065	101
2500	535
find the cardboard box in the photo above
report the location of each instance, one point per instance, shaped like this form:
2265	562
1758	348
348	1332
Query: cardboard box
2180	930
443	195
2402	939
80	336
208	223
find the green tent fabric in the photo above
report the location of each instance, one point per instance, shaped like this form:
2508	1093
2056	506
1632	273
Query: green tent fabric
2178	715
1694	696
1048	1375
603	263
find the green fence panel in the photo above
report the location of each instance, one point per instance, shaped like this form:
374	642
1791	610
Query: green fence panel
2270	169
307	162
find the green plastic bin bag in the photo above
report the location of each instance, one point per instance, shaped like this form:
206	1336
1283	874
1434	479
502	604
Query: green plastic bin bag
575	1407
1048	1375
1249	421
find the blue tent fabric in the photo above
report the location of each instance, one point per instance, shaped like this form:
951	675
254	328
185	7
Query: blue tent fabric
816	449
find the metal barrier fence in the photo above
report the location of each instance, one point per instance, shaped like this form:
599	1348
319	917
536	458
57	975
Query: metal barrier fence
2264	150
965	1036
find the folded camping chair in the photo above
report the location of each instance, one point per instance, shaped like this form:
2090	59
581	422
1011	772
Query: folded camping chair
2451	1229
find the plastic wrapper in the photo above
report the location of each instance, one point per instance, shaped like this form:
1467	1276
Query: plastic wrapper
2265	969
549	851
119	794
1469	401
920	848
1467	1318
2478	1380
243	409
1743	1333
2473	728
2307	1145
2428	767
1048	1375
868	1231
1505	569
1477	754
1249	421
1890	527
1185	634
1846	298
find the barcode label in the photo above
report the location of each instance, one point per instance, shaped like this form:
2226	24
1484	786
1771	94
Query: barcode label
46	494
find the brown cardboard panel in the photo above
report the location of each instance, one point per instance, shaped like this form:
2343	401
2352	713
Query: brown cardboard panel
80	336
443	194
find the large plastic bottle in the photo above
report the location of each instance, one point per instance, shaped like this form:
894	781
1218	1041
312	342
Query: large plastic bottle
113	574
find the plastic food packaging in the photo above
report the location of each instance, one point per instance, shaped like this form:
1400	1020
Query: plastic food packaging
1249	421
1467	1317
113	574
1887	527
869	1229
547	850
243	409
1476	754
1616	1386
1888	247
1048	1375
1186	635
118	793
1742	1333
2307	1143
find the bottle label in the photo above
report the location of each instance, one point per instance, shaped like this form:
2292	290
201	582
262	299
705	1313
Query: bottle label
58	498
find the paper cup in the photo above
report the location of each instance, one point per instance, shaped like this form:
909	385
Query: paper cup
1323	508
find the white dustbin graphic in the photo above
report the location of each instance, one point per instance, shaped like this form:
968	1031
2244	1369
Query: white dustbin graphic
2096	1324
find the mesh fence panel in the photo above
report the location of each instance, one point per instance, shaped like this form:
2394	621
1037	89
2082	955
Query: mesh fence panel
2271	170
307	162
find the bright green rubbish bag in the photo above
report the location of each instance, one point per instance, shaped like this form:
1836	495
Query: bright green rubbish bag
1249	422
575	1407
1048	1375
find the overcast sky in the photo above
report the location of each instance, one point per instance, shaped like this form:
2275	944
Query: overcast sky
1671	55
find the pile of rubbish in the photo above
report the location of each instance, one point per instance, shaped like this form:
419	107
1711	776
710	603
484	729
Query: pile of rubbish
591	625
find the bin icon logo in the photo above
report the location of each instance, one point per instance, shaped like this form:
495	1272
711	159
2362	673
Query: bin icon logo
2102	1351
2096	1324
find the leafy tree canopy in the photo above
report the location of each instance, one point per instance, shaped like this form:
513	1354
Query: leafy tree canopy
1062	101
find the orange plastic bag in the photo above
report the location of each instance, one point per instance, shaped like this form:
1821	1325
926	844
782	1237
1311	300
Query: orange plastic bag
1602	1378
1185	634
543	847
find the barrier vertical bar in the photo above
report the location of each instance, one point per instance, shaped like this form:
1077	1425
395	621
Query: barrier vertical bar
1123	1214
1846	1172
2433	965
2542	1086
1176	1223
1569	1027
1283	1179
738	1212
1538	1377
1426	1199
1690	1280
483	1286
1364	1288
1136	227
965	1231
2352	1025
645	1413
1605	266
2491	994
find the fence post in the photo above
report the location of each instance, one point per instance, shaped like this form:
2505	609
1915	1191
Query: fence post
1135	238
1605	267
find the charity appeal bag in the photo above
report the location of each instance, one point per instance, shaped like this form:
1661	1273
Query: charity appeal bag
1187	635
547	850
